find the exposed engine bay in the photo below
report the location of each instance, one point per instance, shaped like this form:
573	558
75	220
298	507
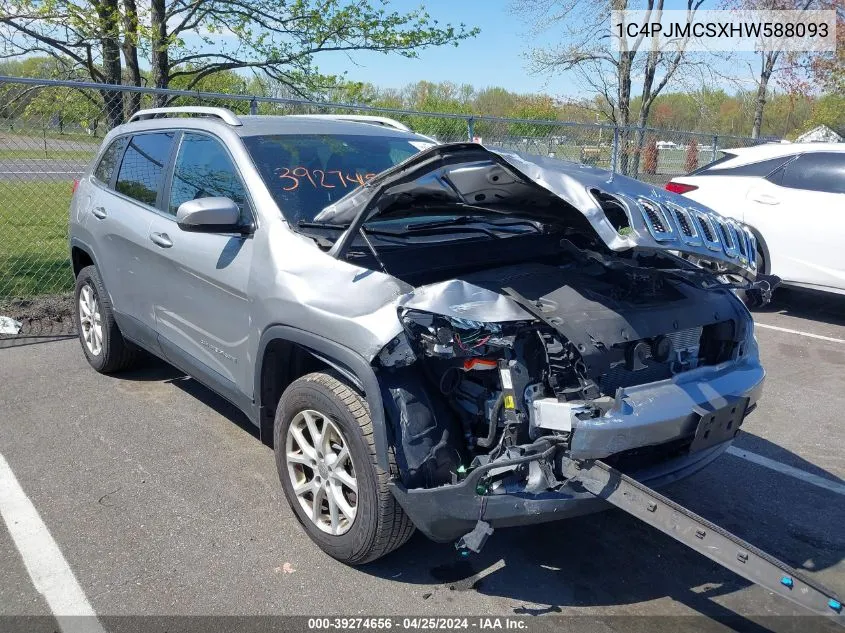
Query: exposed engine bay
555	309
467	392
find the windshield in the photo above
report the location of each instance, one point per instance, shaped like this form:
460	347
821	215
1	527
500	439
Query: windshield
305	173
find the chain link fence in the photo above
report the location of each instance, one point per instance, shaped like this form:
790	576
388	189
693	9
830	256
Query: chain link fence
50	131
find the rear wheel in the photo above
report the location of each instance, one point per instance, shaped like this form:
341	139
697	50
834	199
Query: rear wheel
326	458
104	346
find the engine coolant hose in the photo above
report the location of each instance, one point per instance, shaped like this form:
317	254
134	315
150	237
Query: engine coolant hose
487	442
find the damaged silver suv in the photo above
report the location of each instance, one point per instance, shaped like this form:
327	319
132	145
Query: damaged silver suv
423	332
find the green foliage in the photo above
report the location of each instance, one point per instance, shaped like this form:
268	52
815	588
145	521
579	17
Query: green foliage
828	110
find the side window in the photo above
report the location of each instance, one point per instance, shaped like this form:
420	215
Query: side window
760	169
204	170
142	166
819	171
108	163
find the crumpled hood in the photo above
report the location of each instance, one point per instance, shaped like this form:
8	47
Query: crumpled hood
468	173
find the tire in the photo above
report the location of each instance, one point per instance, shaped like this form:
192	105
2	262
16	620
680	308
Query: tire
379	525
113	353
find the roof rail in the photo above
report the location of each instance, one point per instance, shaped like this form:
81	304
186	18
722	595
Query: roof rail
361	118
224	114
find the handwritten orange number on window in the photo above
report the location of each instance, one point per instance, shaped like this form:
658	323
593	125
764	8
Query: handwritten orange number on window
287	175
355	178
303	172
323	179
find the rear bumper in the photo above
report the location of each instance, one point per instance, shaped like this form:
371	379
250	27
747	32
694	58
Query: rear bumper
650	415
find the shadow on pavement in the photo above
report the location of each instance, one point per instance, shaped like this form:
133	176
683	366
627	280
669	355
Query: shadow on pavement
610	559
807	304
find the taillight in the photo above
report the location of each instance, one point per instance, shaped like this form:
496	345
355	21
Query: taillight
75	185
679	187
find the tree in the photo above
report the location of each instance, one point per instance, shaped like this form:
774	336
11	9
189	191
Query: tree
691	159
77	34
650	154
586	49
191	40
771	62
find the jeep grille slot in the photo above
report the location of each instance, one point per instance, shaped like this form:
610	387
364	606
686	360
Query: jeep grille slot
708	232
684	224
653	217
728	237
656	220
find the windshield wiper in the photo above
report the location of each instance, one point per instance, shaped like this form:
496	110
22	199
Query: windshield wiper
467	220
307	224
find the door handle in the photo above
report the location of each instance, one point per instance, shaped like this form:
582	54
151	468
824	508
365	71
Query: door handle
99	212
161	239
764	198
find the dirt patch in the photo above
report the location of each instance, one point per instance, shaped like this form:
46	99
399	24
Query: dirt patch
48	315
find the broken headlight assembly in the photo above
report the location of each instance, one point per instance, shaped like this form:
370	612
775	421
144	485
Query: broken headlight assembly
441	336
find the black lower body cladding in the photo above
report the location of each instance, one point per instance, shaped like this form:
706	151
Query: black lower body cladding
427	436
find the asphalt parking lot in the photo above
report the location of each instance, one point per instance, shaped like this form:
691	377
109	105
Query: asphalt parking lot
162	501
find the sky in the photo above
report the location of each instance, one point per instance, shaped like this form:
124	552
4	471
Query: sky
492	58
495	57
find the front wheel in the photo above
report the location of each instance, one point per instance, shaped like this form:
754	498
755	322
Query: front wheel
327	463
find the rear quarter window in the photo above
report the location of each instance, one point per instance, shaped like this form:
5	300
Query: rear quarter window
759	169
108	163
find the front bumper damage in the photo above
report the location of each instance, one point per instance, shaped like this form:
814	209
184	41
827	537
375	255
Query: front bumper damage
664	417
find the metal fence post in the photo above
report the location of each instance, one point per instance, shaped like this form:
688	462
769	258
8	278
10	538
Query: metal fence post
470	128
614	149
253	106
715	144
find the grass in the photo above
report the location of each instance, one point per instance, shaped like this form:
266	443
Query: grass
63	154
34	256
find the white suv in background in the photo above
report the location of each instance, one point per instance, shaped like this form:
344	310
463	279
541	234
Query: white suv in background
793	198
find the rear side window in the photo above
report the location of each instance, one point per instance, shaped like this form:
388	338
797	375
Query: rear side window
142	166
820	171
703	170
204	170
108	163
760	169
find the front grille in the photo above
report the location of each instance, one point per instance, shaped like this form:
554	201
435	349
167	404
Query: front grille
654	217
686	229
705	227
728	238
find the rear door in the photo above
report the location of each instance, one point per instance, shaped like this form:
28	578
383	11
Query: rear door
203	317
123	206
800	211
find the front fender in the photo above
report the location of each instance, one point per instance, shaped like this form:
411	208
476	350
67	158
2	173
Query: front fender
350	364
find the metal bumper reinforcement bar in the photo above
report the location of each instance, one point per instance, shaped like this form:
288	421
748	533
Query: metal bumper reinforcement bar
703	536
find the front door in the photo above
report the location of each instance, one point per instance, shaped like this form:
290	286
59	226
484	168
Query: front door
203	317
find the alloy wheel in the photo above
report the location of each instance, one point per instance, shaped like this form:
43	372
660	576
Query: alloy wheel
90	320
321	471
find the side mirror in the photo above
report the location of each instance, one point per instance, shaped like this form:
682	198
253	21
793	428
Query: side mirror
209	215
